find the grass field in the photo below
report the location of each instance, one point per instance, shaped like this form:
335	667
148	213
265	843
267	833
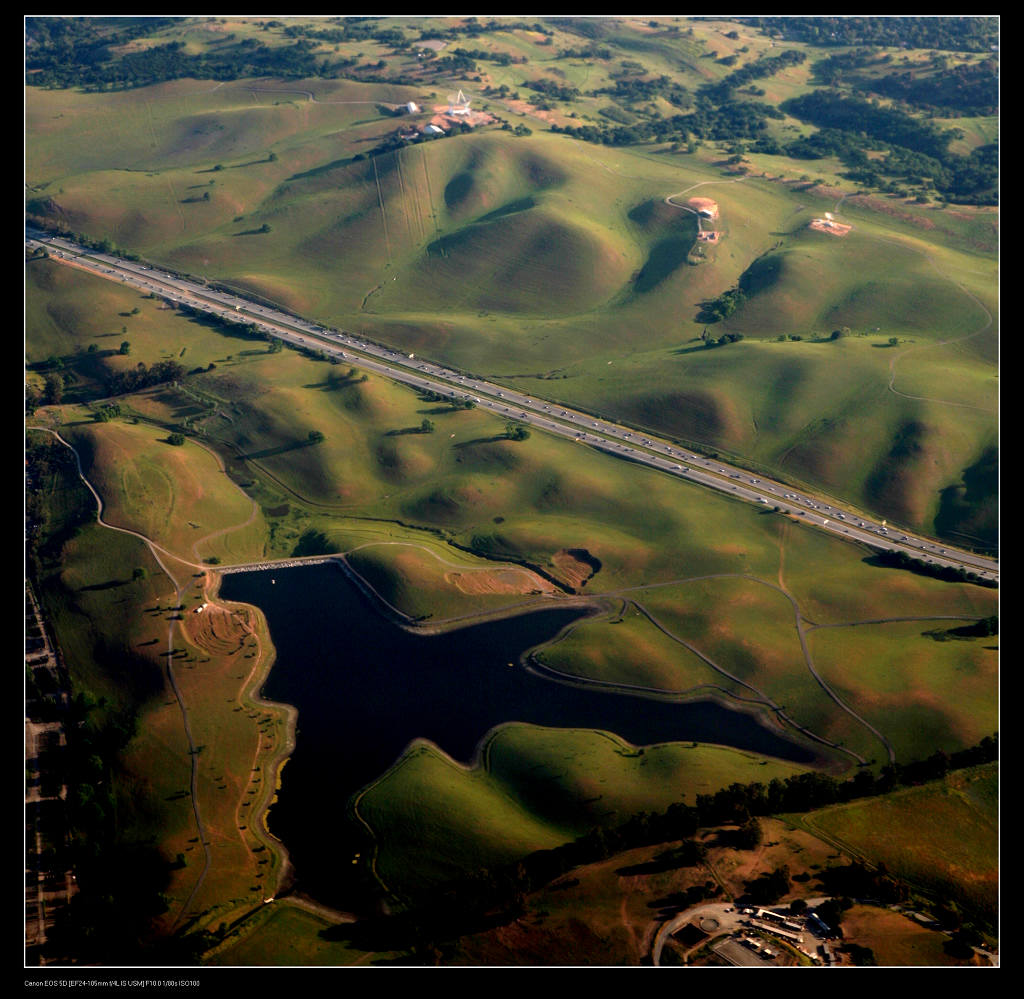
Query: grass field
561	268
532	788
896	940
584	281
286	935
372	483
942	836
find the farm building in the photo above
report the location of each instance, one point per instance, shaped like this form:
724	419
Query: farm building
411	108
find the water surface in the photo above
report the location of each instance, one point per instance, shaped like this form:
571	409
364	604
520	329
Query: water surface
364	689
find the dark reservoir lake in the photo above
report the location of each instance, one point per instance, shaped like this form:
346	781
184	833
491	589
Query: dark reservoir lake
365	688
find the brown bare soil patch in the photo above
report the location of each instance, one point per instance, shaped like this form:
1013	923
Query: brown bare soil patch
574	566
218	630
442	119
704	205
484	581
887	208
832	228
551	117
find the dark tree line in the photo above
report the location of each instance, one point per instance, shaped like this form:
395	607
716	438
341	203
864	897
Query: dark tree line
850	126
956	34
952	574
140	377
766	66
492	897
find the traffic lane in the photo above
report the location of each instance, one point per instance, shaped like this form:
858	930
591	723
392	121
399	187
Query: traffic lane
531	406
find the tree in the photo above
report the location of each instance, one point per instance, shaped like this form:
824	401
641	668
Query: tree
139	573
264	228
126	348
749	835
516	432
893	341
176	439
315	436
54	390
426	427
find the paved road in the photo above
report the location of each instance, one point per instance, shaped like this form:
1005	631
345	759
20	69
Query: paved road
624	442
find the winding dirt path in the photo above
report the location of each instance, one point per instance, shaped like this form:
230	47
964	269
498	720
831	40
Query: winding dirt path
163	558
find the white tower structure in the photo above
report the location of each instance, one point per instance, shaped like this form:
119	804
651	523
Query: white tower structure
458	103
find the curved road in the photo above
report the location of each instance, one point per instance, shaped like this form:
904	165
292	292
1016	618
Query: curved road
616	439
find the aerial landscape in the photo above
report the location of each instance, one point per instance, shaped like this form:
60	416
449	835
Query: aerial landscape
511	492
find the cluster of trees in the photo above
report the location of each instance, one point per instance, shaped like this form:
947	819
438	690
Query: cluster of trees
88	57
884	124
710	341
454	65
901	560
592	51
107	412
501	58
550	88
351	29
850	126
633	89
766	66
727	122
51	393
967	89
722	307
473	28
956	34
141	377
970	88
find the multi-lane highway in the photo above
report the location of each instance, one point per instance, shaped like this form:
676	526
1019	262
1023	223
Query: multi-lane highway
540	414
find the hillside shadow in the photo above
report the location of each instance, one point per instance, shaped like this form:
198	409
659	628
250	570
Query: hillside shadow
441	410
482	440
280	449
690	350
318	171
111	584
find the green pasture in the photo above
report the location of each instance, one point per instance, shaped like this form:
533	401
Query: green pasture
552	258
177	496
978	131
433	583
628	649
942	836
284	935
533	788
919	692
556	267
